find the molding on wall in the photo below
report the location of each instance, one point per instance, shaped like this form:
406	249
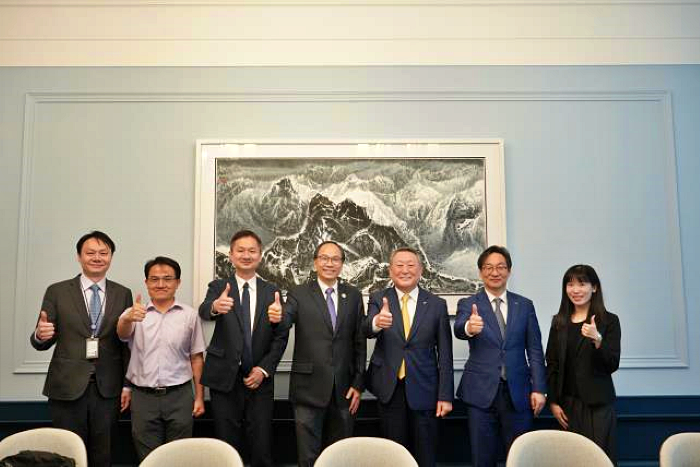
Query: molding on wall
675	357
346	33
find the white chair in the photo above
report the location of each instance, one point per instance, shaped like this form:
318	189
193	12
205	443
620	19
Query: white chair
680	450
554	448
63	442
193	451
365	452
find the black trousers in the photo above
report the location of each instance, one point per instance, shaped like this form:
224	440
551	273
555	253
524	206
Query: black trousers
160	418
597	423
415	429
93	418
317	428
244	414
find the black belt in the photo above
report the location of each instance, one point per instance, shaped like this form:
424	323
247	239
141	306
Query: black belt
160	390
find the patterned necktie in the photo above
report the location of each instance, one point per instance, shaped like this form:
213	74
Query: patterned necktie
247	359
502	327
95	307
331	306
406	330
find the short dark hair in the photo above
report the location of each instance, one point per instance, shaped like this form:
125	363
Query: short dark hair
162	260
501	250
97	235
330	242
245	233
406	249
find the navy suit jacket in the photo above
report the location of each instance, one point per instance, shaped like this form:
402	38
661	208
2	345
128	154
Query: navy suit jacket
226	347
427	351
521	352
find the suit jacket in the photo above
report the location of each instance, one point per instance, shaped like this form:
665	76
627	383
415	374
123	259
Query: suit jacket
324	359
226	347
594	367
427	351
69	370
488	351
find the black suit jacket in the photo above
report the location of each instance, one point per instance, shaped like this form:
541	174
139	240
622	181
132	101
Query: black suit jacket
226	347
427	351
69	370
324	359
594	366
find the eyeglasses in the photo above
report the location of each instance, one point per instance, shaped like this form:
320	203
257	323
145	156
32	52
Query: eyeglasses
488	268
166	279
329	259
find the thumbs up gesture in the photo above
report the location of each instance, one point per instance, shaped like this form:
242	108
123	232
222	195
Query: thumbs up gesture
44	329
475	324
224	303
384	318
137	312
274	311
591	331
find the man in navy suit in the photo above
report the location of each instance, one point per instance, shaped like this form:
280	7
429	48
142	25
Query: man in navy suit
410	371
503	382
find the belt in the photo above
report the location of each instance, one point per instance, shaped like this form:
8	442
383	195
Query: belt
160	390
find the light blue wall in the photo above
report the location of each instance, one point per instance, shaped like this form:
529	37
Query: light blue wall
602	166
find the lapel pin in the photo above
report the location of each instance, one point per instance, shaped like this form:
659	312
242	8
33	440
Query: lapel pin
343	295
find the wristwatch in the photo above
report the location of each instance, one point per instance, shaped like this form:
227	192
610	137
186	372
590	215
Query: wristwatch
599	337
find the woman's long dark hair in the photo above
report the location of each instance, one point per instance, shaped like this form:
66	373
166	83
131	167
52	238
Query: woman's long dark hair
583	273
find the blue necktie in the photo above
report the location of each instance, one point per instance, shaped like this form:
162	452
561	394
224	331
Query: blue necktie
247	360
95	307
331	306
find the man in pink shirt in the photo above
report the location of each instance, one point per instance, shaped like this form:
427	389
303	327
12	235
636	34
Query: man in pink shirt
167	346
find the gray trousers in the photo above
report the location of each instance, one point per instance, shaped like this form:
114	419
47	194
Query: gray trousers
159	418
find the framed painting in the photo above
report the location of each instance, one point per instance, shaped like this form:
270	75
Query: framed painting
445	199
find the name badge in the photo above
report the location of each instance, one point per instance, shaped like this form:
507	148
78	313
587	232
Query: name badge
91	348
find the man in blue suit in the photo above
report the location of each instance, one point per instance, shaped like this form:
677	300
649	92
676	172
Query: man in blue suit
503	382
410	371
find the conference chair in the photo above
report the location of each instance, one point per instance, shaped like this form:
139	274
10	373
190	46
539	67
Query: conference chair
365	452
193	451
680	450
554	448
56	440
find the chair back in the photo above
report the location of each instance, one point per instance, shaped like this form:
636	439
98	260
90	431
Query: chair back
193	452
554	448
680	450
365	452
57	440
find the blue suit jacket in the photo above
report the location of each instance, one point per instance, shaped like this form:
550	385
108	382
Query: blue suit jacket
428	351
488	351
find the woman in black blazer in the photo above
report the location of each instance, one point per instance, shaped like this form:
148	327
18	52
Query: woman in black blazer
583	351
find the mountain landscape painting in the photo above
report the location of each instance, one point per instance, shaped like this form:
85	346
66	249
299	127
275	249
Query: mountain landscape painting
370	206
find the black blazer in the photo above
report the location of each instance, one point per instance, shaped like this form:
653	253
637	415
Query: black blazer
427	351
595	366
69	370
323	357
226	347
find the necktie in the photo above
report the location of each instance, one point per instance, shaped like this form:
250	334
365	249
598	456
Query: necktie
95	307
331	306
502	327
406	329
247	359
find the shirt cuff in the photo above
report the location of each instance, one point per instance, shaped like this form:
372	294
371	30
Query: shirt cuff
267	375
466	325
375	328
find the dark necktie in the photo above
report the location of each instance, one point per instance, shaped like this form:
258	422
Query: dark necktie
331	306
247	360
502	327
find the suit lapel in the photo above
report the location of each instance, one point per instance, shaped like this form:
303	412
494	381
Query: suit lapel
421	310
395	309
236	295
259	302
342	309
319	298
76	293
489	317
513	312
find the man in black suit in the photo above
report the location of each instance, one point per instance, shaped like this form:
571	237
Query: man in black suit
86	373
244	351
410	371
329	354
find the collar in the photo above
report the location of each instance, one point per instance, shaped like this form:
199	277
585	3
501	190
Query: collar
86	283
251	282
413	294
503	296
324	287
175	306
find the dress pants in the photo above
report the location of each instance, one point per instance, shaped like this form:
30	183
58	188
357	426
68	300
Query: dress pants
158	418
597	423
485	426
317	428
414	429
93	418
244	414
